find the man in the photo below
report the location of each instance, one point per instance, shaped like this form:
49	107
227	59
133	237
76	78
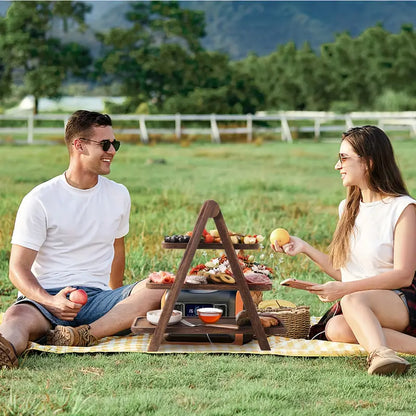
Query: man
69	234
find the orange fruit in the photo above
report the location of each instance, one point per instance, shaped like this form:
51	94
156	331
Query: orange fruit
280	235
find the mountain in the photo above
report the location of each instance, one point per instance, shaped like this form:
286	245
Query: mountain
240	27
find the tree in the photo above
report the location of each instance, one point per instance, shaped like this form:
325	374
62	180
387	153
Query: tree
33	58
5	80
374	47
288	78
359	69
344	68
402	74
5	75
236	93
154	57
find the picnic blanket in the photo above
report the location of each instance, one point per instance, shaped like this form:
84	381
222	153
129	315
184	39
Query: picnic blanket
279	346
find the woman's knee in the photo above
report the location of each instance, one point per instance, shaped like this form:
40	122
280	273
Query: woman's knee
351	301
338	330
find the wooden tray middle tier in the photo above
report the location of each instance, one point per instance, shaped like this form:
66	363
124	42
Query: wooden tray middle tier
211	246
209	286
142	326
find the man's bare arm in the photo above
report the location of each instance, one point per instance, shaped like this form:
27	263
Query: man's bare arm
119	264
20	274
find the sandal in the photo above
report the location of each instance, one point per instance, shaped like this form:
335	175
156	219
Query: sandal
384	361
8	356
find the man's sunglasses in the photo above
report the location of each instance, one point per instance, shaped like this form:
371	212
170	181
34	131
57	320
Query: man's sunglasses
105	144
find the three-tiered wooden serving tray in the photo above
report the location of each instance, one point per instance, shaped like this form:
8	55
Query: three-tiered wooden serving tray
226	325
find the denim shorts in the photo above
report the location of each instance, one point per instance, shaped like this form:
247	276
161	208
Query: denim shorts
99	303
402	297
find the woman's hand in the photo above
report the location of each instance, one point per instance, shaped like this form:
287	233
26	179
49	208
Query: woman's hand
295	246
330	291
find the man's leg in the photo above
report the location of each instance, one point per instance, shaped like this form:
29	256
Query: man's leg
119	318
22	323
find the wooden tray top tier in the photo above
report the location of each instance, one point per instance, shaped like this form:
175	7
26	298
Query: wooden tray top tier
210	246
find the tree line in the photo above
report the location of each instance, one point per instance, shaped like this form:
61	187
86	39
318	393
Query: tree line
158	63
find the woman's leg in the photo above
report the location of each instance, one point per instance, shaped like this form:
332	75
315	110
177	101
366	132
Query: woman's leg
338	330
400	342
368	312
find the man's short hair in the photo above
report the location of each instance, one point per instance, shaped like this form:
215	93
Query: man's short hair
82	121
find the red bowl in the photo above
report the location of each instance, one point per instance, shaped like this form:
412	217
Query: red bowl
209	315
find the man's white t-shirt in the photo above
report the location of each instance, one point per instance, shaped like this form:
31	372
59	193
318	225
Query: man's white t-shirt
372	239
73	230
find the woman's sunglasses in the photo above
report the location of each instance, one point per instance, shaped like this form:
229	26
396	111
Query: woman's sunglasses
105	144
342	158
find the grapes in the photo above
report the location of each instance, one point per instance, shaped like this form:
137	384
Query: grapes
177	238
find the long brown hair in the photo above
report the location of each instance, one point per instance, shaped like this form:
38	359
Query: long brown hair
383	176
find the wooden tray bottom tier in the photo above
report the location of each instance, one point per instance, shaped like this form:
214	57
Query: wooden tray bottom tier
142	326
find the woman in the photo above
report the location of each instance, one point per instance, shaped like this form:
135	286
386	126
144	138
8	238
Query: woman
372	255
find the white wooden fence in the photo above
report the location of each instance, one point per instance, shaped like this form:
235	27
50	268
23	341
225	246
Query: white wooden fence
283	124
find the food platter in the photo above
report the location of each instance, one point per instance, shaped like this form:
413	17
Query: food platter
210	246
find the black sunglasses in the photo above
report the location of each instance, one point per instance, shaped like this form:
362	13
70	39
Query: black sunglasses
105	144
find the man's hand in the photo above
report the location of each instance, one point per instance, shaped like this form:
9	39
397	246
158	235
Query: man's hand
62	307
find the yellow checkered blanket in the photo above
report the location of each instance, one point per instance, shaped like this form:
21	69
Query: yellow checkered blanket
278	345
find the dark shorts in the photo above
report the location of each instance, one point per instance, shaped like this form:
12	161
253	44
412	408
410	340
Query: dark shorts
408	296
99	303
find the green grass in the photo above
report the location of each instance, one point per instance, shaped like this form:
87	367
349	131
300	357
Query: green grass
258	188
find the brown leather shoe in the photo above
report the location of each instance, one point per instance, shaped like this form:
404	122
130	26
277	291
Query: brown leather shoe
71	336
384	361
8	357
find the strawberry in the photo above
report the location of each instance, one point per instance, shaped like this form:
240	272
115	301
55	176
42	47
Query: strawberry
197	268
209	238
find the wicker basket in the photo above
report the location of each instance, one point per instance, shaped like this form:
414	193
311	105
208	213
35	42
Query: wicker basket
257	296
297	320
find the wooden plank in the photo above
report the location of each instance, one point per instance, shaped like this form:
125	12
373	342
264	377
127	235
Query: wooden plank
209	286
209	209
142	326
210	246
241	282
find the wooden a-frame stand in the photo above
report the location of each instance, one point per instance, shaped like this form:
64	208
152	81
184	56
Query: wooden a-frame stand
210	209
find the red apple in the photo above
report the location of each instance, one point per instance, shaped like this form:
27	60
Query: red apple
78	296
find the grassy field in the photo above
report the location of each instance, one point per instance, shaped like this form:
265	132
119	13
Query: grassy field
259	188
